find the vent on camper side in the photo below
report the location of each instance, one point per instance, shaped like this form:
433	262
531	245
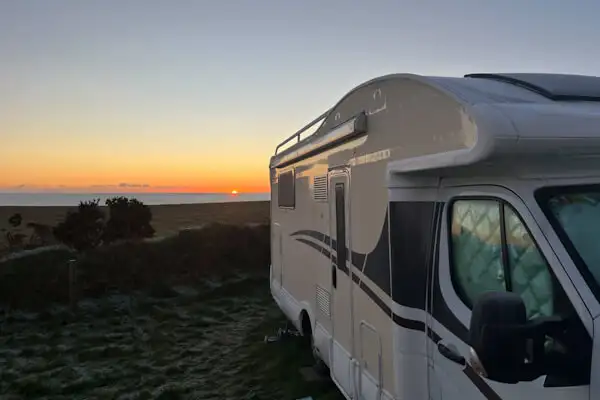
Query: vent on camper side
323	301
320	188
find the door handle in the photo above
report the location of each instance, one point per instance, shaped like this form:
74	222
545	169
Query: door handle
451	353
334	275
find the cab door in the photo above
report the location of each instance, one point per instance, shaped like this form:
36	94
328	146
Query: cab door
488	240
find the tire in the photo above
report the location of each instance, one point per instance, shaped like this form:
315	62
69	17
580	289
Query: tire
308	337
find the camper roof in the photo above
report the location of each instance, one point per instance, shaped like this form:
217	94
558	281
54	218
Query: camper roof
507	115
559	87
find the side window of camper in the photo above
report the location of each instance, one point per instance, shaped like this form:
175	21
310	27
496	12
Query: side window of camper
476	248
286	190
491	249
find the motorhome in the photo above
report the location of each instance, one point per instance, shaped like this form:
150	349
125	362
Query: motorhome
437	237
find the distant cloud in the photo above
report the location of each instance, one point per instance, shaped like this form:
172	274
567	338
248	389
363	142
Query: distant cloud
133	185
169	187
122	187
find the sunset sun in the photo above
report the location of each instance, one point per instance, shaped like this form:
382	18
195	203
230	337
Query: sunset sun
234	192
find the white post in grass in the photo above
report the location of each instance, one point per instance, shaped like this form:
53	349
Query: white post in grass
72	279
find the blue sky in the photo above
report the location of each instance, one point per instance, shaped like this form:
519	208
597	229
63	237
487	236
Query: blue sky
192	93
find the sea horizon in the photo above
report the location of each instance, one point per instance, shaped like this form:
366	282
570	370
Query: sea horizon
68	199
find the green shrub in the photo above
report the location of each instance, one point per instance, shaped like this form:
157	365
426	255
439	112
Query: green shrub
128	219
82	229
86	228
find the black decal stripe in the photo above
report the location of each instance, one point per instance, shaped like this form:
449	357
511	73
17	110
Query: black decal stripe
376	299
407	323
411	228
415	324
412	324
315	246
357	260
320	236
439	308
433	335
315	234
404	322
483	387
377	266
325	252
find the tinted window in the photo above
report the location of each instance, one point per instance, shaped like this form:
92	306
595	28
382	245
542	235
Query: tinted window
529	272
287	190
492	250
476	248
574	212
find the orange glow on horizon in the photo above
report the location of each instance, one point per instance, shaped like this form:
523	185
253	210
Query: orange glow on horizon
244	182
212	184
131	189
97	156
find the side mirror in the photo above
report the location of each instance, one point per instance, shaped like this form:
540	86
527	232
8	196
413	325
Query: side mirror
498	346
508	348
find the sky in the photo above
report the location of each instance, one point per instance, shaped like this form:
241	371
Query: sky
194	95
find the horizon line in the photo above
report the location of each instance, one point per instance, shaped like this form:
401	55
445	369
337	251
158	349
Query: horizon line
123	193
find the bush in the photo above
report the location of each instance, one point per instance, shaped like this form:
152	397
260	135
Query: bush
129	219
82	230
14	240
85	229
15	220
216	251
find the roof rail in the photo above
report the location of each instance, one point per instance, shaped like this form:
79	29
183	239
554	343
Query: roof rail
297	134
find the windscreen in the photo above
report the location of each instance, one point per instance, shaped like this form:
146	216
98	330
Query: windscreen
574	212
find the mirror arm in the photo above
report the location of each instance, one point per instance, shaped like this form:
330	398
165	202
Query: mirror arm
508	348
544	326
535	332
531	372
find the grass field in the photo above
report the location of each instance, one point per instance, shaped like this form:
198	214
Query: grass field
179	318
194	343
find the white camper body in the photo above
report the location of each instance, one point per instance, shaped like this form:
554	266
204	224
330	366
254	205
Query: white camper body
413	197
